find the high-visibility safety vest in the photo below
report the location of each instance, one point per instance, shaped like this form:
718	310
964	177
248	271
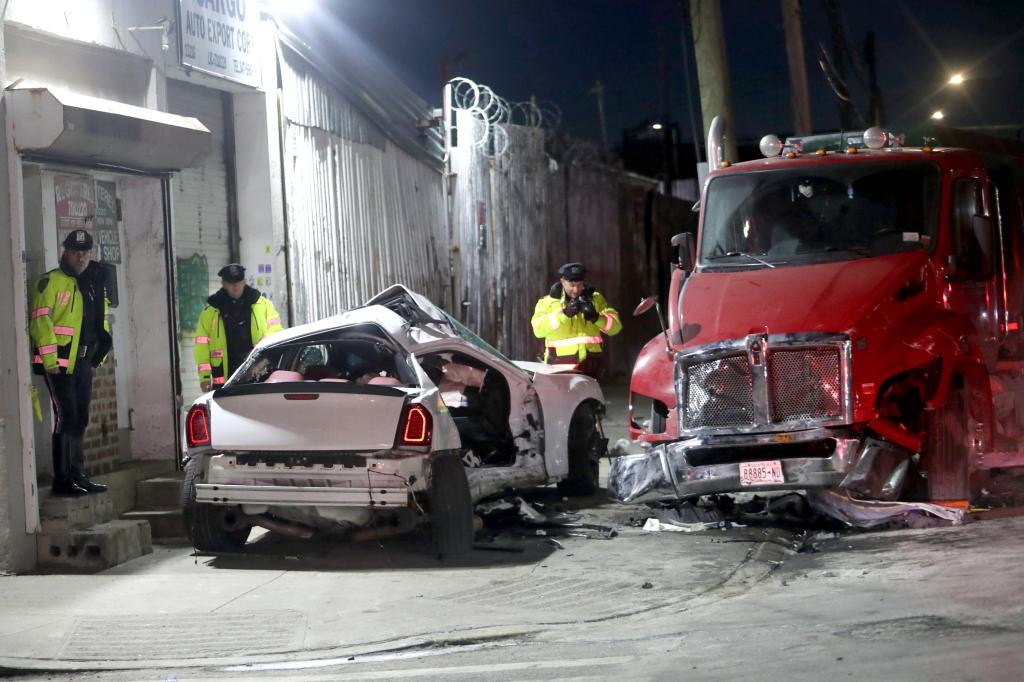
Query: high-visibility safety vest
55	321
572	336
211	350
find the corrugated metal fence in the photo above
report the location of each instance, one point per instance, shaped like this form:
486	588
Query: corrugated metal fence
519	216
362	213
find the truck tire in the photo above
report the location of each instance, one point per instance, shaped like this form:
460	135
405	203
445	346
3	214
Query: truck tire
451	507
587	445
947	449
205	523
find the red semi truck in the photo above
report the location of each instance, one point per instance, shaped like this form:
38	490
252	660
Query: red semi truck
849	316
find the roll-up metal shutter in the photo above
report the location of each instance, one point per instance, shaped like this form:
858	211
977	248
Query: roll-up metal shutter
200	216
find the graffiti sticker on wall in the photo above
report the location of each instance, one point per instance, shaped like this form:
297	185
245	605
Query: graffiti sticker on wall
192	281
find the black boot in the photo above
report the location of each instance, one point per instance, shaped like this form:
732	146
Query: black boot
63	484
78	467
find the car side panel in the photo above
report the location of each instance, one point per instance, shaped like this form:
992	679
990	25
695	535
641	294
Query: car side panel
560	394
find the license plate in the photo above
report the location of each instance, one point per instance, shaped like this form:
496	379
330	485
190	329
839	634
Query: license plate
761	473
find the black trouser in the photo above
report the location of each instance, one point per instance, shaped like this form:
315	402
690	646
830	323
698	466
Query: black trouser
70	395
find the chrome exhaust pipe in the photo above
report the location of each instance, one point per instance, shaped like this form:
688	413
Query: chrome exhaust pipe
716	146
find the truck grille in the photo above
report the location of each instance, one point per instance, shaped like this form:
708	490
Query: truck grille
720	393
805	384
771	387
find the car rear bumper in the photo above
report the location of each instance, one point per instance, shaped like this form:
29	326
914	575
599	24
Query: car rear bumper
372	483
298	496
817	458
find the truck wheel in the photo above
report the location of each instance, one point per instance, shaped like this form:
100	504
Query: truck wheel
587	445
207	525
947	449
451	507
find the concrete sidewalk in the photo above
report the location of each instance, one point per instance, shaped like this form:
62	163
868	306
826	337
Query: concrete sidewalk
286	599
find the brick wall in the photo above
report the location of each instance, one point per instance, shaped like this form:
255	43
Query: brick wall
101	438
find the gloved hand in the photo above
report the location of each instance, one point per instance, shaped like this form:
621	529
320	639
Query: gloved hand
589	311
572	307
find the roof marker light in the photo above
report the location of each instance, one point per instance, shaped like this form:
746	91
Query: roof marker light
770	145
874	138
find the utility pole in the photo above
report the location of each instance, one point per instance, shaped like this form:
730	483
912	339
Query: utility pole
875	104
791	21
712	69
598	91
838	56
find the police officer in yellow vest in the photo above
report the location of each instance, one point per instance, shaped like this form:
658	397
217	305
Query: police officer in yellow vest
236	318
70	336
571	319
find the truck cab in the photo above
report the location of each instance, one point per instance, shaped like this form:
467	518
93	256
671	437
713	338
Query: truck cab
849	317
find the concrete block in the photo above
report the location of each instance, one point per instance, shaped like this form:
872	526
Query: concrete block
164	524
163	492
96	548
75	512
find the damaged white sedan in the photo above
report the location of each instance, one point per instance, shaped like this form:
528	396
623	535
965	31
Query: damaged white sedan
387	416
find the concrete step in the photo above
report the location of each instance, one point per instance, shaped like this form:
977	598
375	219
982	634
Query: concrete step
60	514
161	492
96	548
164	524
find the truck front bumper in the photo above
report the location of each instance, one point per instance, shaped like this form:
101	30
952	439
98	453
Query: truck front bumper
816	458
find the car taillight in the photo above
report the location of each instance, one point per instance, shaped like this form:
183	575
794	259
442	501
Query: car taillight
197	426
415	426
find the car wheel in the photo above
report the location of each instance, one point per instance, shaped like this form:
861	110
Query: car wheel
451	507
210	528
947	449
587	445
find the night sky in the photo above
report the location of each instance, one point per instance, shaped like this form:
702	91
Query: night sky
557	49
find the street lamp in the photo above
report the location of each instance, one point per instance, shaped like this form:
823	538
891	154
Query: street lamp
956	79
938	115
656	126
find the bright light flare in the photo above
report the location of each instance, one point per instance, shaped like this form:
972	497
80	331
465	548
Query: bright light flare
656	126
956	79
938	116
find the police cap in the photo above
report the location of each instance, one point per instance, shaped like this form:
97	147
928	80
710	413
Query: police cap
232	273
572	272
78	240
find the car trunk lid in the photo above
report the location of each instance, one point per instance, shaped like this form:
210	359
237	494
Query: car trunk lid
307	416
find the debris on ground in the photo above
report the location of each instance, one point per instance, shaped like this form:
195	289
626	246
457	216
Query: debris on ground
874	513
515	517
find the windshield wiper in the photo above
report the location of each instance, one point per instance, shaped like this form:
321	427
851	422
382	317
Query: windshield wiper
732	254
853	248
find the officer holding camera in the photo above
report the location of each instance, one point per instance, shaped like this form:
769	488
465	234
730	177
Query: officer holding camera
572	320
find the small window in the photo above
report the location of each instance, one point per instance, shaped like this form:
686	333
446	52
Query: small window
972	231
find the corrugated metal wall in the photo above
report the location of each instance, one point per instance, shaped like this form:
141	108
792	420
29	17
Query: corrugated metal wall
362	213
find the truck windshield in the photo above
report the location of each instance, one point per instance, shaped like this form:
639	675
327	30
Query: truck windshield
816	214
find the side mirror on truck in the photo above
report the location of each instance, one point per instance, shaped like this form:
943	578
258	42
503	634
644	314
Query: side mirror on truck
645	305
687	250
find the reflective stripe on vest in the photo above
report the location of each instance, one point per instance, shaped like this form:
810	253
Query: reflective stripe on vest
205	367
39	312
46	350
202	340
216	353
217	381
61	362
64	331
575	341
609	321
274	322
553	319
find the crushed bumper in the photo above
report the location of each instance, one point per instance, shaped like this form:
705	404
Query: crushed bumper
371	484
817	458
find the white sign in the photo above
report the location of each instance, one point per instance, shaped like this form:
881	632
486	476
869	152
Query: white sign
220	37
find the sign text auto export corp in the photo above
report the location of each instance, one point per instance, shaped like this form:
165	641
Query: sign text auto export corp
220	37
